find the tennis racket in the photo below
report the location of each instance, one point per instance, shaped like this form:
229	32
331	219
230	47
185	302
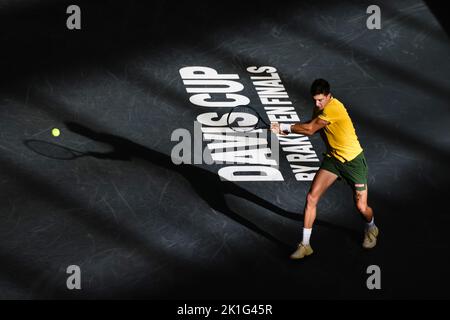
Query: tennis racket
245	119
57	151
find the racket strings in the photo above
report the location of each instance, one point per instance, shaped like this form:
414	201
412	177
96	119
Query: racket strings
243	119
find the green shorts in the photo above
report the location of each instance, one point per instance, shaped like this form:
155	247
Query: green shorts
354	172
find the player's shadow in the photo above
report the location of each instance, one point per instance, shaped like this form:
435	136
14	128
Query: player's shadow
206	184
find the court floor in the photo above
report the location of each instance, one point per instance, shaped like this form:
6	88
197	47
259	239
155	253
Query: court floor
105	198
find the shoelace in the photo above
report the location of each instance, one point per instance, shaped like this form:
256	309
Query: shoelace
370	235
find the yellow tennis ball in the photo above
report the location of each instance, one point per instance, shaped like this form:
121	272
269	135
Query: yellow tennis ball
56	132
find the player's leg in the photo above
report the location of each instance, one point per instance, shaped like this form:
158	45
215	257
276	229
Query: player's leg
360	197
371	230
321	182
356	174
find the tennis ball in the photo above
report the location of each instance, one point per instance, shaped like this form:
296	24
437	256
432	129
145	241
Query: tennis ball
56	132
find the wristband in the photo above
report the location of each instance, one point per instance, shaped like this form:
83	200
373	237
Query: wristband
285	127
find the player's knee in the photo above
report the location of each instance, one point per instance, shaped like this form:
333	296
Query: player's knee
311	199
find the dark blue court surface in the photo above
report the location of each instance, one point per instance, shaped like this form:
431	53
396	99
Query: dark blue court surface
139	226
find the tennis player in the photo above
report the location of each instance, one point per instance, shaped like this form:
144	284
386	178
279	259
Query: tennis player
344	159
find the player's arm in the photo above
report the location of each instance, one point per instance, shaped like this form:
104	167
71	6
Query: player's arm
307	129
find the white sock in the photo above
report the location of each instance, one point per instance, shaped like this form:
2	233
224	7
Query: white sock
306	236
370	224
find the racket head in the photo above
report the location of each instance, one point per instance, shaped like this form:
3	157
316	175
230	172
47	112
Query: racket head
245	119
53	150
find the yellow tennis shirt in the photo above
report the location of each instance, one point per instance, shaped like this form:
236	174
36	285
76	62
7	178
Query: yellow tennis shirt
339	134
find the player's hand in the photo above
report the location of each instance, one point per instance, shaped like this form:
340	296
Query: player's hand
275	128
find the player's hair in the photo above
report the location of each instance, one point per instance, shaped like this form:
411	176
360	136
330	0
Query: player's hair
320	86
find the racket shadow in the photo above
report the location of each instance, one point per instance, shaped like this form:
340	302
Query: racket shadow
59	152
206	184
